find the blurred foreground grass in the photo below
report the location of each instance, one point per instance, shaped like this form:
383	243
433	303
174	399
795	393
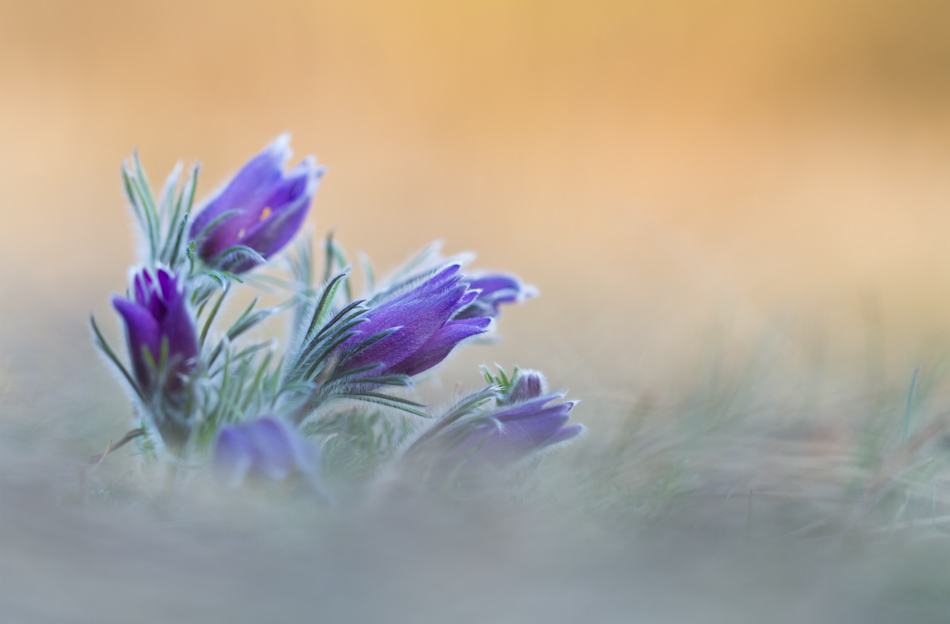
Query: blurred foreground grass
756	485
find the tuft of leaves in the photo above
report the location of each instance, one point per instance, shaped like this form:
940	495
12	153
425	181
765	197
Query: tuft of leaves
163	222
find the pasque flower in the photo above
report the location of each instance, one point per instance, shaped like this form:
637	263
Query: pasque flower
422	329
159	330
494	290
163	349
523	421
515	432
261	208
266	448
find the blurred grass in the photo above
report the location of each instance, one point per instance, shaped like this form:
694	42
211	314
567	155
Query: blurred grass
737	491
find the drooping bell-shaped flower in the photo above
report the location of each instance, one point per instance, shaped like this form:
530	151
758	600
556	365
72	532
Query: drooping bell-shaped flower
422	330
513	433
261	208
266	448
160	331
523	421
494	290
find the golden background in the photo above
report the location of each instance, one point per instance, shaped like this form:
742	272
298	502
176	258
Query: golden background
655	168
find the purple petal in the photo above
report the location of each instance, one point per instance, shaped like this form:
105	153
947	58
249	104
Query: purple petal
538	426
469	298
168	285
565	433
265	209
289	206
525	429
233	456
499	437
442	342
525	409
142	330
177	326
515	439
424	288
296	183
419	315
518	438
273	452
267	448
528	385
249	189
493	283
159	313
494	290
143	282
471	446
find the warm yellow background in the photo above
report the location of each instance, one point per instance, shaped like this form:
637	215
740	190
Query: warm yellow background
655	167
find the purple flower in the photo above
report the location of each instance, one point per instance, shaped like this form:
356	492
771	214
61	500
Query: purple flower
261	208
158	315
511	434
423	330
527	384
494	290
266	448
523	421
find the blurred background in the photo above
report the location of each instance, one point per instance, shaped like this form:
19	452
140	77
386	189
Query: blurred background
683	180
650	166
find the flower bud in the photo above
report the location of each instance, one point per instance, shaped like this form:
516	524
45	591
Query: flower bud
261	208
423	332
266	448
158	315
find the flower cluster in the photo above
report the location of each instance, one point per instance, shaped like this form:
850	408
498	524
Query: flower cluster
204	391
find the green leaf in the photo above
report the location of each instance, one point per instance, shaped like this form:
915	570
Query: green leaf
399	403
239	251
346	319
172	257
103	345
320	356
145	211
133	199
301	262
140	183
165	199
143	181
368	273
341	317
186	196
255	389
324	307
168	210
328	259
245	324
212	315
460	410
